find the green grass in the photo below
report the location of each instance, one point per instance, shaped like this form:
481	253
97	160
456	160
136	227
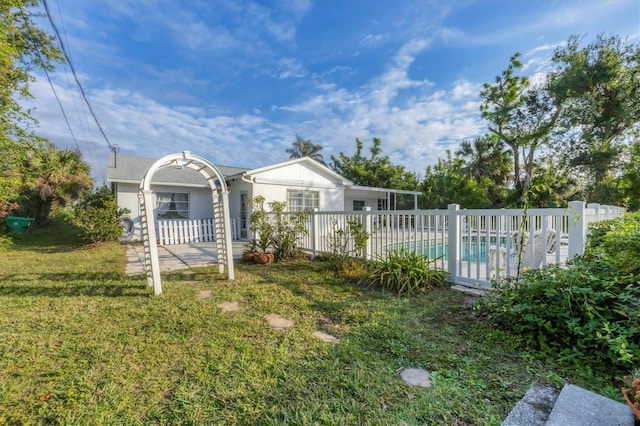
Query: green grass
82	343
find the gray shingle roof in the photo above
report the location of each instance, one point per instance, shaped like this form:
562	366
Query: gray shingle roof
127	168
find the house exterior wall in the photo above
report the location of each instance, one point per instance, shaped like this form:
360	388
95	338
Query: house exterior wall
371	202
200	202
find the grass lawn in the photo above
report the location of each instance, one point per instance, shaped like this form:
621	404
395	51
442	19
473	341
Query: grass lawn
82	343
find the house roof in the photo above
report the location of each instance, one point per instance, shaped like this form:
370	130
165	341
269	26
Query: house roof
307	161
130	169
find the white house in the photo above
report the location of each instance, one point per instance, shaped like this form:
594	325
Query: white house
182	193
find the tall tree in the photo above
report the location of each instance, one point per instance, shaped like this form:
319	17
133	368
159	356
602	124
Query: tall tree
449	182
62	176
522	116
375	170
305	148
23	48
489	163
601	84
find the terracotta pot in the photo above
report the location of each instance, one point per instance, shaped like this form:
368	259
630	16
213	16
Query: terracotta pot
636	410
262	258
248	256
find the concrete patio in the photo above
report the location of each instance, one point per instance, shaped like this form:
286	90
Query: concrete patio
179	256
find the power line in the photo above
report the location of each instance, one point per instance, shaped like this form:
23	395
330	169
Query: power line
55	94
73	71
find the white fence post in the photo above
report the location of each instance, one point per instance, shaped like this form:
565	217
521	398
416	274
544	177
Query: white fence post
368	228
314	231
577	228
453	239
596	211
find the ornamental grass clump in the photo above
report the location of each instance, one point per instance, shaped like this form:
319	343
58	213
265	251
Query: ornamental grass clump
406	272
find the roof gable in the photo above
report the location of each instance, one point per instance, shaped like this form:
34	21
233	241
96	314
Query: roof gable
296	167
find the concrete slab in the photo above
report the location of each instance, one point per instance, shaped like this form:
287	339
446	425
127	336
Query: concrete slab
325	337
205	294
179	257
278	322
534	408
229	306
416	377
579	407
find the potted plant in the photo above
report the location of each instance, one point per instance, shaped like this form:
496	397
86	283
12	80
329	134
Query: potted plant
631	391
262	257
251	248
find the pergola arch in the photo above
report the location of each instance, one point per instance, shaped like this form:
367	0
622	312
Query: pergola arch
219	196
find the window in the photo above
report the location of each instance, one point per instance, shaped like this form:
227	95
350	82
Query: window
299	200
382	204
172	205
358	205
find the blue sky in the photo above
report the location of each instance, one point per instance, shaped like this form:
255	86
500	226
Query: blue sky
235	81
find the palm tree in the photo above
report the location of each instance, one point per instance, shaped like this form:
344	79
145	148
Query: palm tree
486	157
305	148
61	176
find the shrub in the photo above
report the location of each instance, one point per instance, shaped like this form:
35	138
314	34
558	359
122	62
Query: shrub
99	217
278	229
347	247
5	243
406	272
588	312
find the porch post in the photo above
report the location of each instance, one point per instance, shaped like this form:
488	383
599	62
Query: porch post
577	228
453	240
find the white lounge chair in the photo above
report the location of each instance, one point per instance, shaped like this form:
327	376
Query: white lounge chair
504	260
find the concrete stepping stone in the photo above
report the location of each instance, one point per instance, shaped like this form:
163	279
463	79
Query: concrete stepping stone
229	306
579	407
204	294
326	337
416	377
277	322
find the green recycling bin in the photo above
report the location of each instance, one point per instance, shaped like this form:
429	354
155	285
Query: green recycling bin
18	225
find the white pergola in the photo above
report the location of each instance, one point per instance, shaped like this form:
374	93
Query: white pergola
220	198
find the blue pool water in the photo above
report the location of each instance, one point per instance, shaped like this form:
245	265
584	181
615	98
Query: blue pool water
471	250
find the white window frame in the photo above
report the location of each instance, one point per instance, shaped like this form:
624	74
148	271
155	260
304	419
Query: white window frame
361	205
299	200
172	205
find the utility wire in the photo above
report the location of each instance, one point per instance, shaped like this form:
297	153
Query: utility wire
84	122
73	71
66	119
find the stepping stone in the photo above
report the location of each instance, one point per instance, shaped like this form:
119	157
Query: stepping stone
229	306
204	294
579	407
326	337
278	322
416	377
534	407
188	272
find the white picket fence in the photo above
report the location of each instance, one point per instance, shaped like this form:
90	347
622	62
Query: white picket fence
474	246
184	231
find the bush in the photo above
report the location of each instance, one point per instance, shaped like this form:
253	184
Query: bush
278	229
588	312
99	217
5	243
347	247
406	272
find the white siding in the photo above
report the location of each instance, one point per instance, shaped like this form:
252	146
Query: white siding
298	173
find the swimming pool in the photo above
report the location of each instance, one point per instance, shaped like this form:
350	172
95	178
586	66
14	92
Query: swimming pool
472	248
